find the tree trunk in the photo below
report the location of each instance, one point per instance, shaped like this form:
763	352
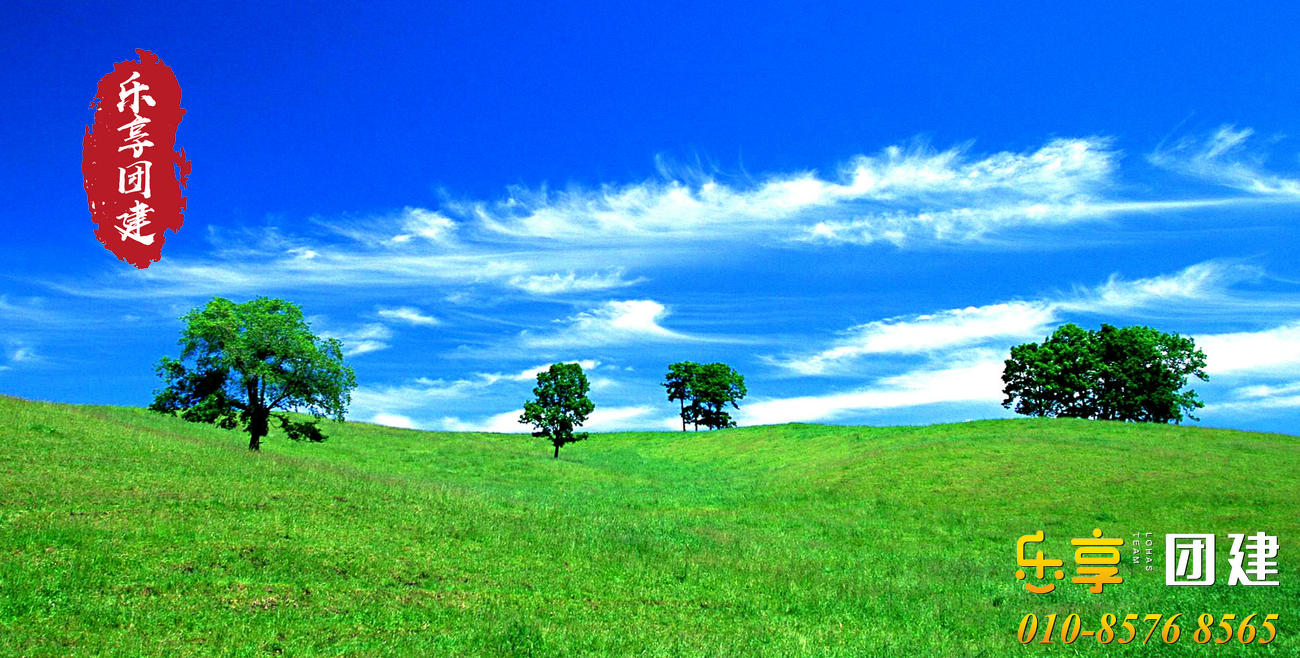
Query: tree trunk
258	416
557	452
257	428
683	414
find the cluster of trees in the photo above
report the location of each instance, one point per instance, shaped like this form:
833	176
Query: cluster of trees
560	404
1130	373
242	365
703	392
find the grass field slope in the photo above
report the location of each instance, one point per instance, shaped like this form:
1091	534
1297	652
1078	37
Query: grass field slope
125	532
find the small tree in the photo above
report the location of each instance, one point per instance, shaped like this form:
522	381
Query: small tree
1133	374
561	404
239	363
679	382
704	391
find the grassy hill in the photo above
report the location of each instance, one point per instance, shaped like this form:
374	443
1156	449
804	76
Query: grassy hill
125	532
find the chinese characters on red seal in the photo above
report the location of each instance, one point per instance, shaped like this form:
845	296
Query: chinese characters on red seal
134	176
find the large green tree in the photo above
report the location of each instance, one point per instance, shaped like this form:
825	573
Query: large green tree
1131	373
560	405
704	391
242	364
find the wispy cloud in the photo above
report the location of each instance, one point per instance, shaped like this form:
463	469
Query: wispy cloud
393	420
529	240
530	374
1000	322
408	314
552	284
1257	398
23	354
34	311
506	422
965	224
613	322
927	333
609	419
18	353
415	395
427	225
963	350
1199	283
977	378
601	420
1224	158
1061	170
1274	351
361	340
421	396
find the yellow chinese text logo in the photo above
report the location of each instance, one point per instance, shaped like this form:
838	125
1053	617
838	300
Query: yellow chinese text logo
1097	559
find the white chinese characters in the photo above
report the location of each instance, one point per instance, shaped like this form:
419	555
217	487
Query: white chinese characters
1189	559
134	177
132	221
1262	550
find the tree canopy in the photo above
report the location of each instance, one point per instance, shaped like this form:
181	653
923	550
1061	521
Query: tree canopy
560	405
679	382
1132	373
239	363
703	392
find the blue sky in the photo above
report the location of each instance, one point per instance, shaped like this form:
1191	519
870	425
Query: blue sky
860	208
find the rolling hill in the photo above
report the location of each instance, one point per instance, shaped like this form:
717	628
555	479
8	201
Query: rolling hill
125	532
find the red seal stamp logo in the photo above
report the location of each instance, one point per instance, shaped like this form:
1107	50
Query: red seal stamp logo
134	177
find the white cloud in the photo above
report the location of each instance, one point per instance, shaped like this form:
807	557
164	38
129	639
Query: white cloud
530	240
612	322
973	223
1224	159
362	340
551	284
975	336
34	310
1262	404
357	348
422	394
1267	391
407	314
1260	397
977	379
530	374
927	333
1061	170
503	423
1197	283
1274	351
428	225
613	419
17	353
601	420
23	354
417	394
393	420
1012	320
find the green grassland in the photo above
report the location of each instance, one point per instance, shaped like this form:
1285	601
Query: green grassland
125	532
